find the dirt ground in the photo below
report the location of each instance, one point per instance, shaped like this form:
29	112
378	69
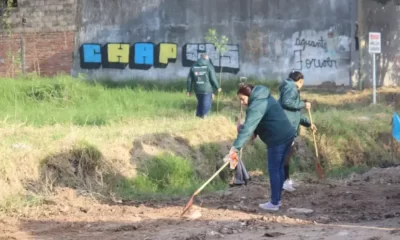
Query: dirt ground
364	207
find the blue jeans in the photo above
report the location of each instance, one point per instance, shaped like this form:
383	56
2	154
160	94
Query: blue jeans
276	160
204	101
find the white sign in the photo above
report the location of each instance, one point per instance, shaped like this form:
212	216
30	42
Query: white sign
374	45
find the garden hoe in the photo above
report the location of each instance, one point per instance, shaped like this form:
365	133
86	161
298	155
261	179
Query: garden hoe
320	171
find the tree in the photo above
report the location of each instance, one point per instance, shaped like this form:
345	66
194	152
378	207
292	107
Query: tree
220	44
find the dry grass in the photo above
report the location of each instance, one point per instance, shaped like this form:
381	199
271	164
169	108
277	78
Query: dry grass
354	98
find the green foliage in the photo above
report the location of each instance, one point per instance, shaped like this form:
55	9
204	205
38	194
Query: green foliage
166	172
220	42
48	92
163	176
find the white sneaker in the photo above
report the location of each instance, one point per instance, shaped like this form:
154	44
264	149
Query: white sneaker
294	184
269	207
288	186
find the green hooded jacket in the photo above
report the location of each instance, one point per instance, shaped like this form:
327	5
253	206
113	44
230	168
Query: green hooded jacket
266	118
290	101
202	76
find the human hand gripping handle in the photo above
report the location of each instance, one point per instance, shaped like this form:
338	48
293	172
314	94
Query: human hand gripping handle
232	158
313	128
307	105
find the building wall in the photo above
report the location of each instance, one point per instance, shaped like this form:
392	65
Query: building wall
159	39
45	42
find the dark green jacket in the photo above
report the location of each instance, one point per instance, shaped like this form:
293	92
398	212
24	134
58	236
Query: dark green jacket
290	101
266	118
202	76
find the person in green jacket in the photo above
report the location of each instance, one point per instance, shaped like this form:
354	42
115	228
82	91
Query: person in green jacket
292	105
266	118
203	80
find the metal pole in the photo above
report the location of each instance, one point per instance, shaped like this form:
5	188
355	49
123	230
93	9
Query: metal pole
374	78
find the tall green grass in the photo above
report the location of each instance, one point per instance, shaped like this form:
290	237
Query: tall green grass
65	100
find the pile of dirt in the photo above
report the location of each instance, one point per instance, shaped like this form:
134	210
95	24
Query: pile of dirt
83	167
379	176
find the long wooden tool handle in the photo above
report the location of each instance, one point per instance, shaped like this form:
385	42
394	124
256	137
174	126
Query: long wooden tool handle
211	178
315	142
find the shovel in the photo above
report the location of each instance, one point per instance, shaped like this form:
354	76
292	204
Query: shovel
320	171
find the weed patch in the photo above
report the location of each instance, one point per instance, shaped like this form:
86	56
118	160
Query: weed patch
165	173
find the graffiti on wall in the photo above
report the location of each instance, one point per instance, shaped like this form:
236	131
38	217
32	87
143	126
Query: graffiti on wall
120	55
145	55
316	51
228	62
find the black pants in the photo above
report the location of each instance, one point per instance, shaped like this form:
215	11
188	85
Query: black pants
286	167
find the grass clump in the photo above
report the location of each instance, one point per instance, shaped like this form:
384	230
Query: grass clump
83	167
167	172
17	203
165	175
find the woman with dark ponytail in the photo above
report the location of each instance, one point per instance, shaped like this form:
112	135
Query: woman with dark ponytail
266	118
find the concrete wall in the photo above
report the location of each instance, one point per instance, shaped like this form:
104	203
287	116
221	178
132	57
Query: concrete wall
44	44
381	16
160	39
